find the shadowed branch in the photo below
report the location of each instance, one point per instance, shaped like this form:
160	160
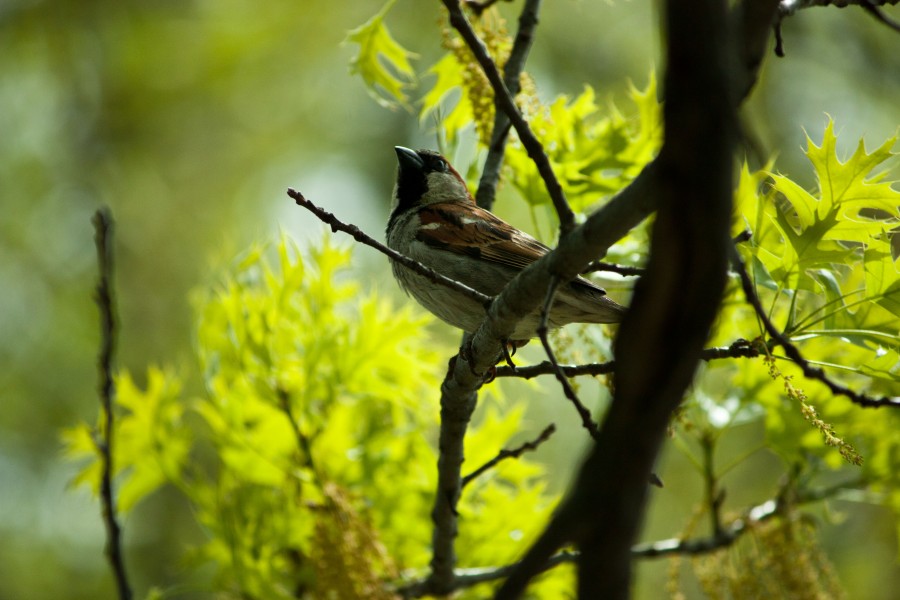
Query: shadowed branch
104	439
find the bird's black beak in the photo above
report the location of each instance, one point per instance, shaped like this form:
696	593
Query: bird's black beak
409	159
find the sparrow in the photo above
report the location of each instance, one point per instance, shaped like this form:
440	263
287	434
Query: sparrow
435	221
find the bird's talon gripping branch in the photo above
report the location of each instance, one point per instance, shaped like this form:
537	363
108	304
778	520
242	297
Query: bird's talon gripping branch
509	350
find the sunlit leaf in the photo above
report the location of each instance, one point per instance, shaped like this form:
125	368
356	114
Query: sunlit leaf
380	60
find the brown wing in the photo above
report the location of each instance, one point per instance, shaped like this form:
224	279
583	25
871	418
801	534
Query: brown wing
473	231
470	230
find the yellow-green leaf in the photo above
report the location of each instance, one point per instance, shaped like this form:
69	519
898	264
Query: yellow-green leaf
380	60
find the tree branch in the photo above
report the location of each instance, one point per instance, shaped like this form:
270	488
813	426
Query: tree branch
727	536
586	420
480	351
793	353
512	70
730	533
466	578
674	305
414	265
103	226
787	8
872	8
623	270
459	394
505	101
738	349
514	453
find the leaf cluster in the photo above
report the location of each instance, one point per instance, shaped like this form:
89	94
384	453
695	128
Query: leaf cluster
308	460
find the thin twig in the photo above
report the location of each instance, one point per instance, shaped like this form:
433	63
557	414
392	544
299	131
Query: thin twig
730	533
713	495
547	368
512	71
506	102
624	270
739	349
514	453
871	8
304	444
793	352
568	390
779	39
787	8
104	439
414	265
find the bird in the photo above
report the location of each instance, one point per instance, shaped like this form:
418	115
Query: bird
435	221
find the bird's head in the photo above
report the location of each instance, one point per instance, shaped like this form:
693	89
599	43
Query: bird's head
425	177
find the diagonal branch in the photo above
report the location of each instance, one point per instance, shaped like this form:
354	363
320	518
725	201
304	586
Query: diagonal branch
872	8
414	265
514	453
512	70
586	420
506	102
793	352
104	440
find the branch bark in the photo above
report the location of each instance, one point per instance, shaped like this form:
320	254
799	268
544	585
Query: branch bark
104	439
512	70
505	101
661	339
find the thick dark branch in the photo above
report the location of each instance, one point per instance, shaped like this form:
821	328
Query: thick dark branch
357	234
739	349
585	243
512	70
104	439
753	22
459	394
673	307
793	352
506	102
514	453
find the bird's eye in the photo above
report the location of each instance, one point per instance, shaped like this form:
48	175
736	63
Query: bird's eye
441	165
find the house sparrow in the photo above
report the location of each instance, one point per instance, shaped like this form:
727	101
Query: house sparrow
435	221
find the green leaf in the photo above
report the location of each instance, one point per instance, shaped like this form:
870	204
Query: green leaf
594	152
377	52
449	78
79	445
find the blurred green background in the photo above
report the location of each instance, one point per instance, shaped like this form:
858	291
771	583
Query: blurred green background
191	118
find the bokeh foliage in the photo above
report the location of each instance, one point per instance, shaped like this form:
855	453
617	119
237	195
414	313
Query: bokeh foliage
318	413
